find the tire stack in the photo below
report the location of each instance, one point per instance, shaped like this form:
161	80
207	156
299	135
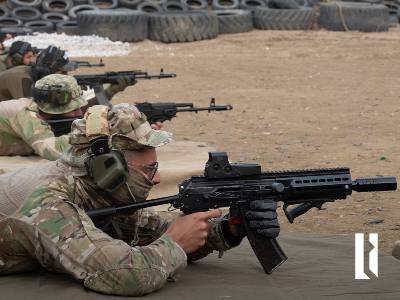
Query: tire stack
173	21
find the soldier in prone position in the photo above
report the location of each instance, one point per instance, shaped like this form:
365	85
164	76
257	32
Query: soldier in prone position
19	54
16	82
136	252
27	132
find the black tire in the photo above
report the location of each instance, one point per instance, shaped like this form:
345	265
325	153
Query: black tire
14	31
234	20
79	2
225	4
356	16
366	1
172	6
26	14
392	6
125	26
4	12
251	4
149	7
283	4
54	17
195	4
68	27
159	2
129	3
283	19
104	4
73	12
26	3
10	22
59	6
183	27
40	26
393	20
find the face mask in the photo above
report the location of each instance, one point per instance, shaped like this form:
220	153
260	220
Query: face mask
138	184
60	126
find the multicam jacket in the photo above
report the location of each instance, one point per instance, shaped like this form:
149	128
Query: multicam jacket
25	134
50	230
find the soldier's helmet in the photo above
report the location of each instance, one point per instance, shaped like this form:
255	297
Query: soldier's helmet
125	127
58	94
55	60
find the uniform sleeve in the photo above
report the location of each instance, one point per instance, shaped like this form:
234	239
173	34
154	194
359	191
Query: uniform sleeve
217	240
66	240
151	226
37	134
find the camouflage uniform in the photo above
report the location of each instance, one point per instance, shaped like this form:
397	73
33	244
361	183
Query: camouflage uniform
3	65
51	229
15	83
25	133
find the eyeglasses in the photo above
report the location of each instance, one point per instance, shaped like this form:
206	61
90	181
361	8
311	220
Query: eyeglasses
149	170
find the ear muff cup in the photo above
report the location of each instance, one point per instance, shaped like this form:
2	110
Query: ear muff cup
17	59
109	170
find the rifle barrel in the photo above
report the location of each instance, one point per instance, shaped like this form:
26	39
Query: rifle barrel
210	108
106	211
374	184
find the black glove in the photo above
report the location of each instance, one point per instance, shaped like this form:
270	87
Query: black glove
262	218
119	86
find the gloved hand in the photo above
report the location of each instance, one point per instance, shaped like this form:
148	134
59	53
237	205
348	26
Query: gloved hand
119	86
262	218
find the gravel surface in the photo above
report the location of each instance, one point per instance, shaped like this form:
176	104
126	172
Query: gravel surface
94	46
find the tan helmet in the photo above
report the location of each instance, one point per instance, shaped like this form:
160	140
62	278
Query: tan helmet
124	125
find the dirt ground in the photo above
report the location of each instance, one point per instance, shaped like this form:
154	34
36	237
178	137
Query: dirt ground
312	99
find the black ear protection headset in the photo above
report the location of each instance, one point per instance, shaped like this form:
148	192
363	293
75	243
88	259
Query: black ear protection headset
17	54
107	167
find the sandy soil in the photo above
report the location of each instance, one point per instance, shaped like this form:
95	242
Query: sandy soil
301	100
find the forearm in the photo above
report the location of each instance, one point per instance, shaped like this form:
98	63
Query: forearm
219	239
104	264
150	226
144	271
50	148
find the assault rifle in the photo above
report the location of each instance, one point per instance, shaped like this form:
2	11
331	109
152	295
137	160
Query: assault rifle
155	112
84	63
236	185
162	111
96	81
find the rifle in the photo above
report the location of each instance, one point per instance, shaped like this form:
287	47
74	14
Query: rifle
162	111
61	126
236	185
96	81
155	112
78	63
84	63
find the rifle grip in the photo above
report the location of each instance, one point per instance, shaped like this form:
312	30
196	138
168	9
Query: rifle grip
269	253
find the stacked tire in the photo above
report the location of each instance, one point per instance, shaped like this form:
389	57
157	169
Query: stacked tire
173	27
125	25
43	15
344	16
